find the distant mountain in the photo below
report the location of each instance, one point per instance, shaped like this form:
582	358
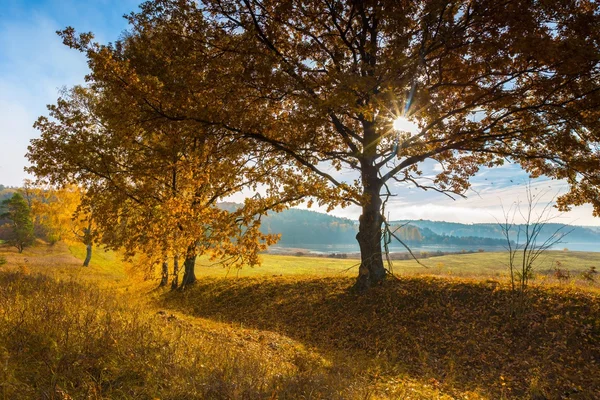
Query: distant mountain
310	227
303	227
593	228
577	234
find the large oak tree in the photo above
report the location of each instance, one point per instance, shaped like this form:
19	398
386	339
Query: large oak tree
317	85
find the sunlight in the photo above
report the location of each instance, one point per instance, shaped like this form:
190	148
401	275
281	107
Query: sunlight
403	124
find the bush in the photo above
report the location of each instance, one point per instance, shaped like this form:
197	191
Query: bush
2	260
561	273
590	274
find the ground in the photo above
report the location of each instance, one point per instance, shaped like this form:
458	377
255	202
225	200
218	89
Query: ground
292	329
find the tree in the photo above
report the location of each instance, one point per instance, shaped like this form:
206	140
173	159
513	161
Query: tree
53	210
318	84
17	211
61	215
154	186
86	235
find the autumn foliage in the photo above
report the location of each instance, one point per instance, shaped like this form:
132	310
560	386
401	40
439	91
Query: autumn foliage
201	99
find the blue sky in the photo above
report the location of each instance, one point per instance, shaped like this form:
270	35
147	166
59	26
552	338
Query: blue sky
35	65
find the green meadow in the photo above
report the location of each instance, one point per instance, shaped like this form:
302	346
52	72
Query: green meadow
488	265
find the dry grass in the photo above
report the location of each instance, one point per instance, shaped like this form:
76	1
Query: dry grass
455	335
100	339
63	340
481	265
285	337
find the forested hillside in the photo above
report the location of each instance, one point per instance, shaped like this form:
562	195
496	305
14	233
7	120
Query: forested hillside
309	227
301	227
492	230
304	227
6	192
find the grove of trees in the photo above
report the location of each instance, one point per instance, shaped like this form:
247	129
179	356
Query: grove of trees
296	100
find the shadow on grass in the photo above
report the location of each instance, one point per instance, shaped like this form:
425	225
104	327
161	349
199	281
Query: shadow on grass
454	335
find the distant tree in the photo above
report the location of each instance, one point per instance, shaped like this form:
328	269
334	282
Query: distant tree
17	211
61	216
53	211
86	236
6	192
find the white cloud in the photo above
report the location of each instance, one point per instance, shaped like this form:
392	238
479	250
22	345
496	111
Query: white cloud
437	167
485	207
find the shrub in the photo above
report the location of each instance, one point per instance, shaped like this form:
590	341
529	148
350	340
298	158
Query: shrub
560	273
590	274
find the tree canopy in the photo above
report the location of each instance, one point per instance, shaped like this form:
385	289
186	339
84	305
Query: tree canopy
310	89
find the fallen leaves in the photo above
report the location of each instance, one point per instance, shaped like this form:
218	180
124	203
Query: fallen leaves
453	334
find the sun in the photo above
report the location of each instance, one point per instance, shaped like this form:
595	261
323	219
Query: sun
403	124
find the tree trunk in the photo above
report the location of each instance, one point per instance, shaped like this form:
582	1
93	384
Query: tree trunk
88	255
371	271
189	265
88	240
164	279
175	281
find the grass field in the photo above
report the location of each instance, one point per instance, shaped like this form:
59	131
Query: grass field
491	265
291	329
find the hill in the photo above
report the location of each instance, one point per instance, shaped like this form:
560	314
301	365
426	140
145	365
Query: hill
576	234
304	227
6	192
300	228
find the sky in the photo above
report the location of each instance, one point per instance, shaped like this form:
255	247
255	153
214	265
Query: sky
35	65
